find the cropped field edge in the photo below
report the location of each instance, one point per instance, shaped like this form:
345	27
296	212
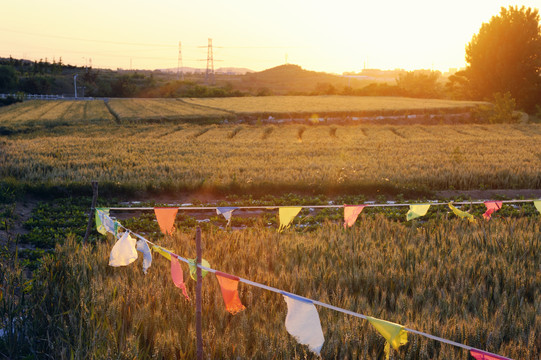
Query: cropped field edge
282	292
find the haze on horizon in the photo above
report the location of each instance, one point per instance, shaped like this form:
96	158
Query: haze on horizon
321	36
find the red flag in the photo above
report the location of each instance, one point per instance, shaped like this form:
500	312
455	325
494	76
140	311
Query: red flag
166	219
480	355
229	284
178	277
492	207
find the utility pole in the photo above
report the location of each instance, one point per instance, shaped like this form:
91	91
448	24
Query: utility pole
180	70
209	76
75	84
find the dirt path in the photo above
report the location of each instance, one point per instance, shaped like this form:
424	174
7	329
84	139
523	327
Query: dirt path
15	225
490	194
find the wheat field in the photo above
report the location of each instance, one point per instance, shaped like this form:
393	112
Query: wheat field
184	157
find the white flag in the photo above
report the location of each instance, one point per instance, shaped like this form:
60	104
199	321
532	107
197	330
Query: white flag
123	253
302	322
142	246
226	212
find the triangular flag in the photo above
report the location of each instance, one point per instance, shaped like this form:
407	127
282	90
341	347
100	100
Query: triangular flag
537	204
142	246
229	284
461	214
492	207
351	212
481	355
193	268
226	212
104	223
178	276
302	322
166	219
286	215
417	210
162	252
123	252
99	225
393	333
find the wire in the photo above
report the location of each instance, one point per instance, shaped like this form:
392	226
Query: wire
322	304
430	202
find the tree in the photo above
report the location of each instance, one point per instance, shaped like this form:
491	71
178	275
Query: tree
505	56
8	78
420	84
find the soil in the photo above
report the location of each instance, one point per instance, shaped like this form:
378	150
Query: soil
23	212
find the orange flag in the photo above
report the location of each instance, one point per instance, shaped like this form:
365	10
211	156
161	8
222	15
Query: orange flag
178	276
229	284
351	212
166	219
492	207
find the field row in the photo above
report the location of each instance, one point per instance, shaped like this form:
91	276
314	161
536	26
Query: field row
54	112
285	107
265	157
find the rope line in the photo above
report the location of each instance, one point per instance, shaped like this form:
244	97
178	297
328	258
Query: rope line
273	207
322	304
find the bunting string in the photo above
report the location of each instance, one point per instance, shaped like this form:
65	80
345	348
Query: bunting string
472	350
366	204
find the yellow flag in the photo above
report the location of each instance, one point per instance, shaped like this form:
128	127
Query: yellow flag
393	333
417	211
287	214
537	205
461	214
162	252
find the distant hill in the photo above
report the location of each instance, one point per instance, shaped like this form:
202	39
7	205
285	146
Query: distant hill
292	79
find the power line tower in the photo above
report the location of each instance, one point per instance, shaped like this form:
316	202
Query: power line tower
180	70
209	76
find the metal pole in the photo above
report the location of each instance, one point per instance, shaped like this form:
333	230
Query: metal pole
198	301
75	84
92	209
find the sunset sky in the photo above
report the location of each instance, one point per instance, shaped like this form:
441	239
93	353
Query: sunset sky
331	36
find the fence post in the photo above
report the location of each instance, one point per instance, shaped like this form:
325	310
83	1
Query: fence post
198	302
92	209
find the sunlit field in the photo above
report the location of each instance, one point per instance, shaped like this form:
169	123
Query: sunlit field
314	158
54	112
130	110
476	284
284	105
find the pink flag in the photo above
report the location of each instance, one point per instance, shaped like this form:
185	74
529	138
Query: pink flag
350	214
492	207
177	275
481	355
166	219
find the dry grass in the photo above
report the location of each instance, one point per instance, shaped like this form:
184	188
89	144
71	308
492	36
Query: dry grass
475	284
